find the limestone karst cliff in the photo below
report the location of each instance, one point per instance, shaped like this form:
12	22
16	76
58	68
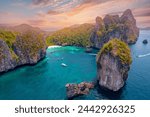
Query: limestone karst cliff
113	26
113	64
20	49
6	59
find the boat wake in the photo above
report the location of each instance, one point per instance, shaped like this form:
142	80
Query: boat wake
144	55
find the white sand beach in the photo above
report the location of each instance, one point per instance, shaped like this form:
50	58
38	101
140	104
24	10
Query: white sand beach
54	46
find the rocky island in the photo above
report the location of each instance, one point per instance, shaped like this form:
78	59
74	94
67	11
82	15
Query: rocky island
113	64
75	90
145	41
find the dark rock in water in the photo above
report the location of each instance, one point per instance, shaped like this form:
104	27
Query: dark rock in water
113	26
89	50
145	41
75	90
113	64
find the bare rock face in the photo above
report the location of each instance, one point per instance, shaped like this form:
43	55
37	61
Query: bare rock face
98	32
113	64
113	26
75	90
132	31
6	59
111	19
128	16
99	23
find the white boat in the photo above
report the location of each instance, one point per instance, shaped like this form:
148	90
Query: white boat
64	65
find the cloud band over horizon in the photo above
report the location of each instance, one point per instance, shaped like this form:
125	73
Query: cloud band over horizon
57	14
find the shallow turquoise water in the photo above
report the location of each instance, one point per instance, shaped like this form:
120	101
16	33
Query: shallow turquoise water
47	79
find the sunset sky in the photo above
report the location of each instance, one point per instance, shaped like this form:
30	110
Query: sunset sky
56	14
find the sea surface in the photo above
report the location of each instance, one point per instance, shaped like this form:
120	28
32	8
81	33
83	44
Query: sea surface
47	79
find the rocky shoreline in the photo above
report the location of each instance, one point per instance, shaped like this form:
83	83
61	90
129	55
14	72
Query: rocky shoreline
75	90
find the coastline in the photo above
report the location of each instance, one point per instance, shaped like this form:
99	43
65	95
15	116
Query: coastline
45	75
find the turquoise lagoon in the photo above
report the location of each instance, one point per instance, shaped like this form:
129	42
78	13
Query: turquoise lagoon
47	79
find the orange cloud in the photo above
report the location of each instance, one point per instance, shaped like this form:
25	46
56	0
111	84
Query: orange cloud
51	12
79	9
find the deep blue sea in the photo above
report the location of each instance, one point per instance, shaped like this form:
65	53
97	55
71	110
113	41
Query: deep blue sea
47	79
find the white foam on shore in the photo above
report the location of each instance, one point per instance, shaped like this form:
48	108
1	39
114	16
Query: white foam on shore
54	46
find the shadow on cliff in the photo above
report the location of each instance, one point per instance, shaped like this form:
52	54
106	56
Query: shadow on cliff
110	95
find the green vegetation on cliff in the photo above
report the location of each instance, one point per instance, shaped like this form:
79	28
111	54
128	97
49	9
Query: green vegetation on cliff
10	38
117	48
75	35
20	47
30	43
